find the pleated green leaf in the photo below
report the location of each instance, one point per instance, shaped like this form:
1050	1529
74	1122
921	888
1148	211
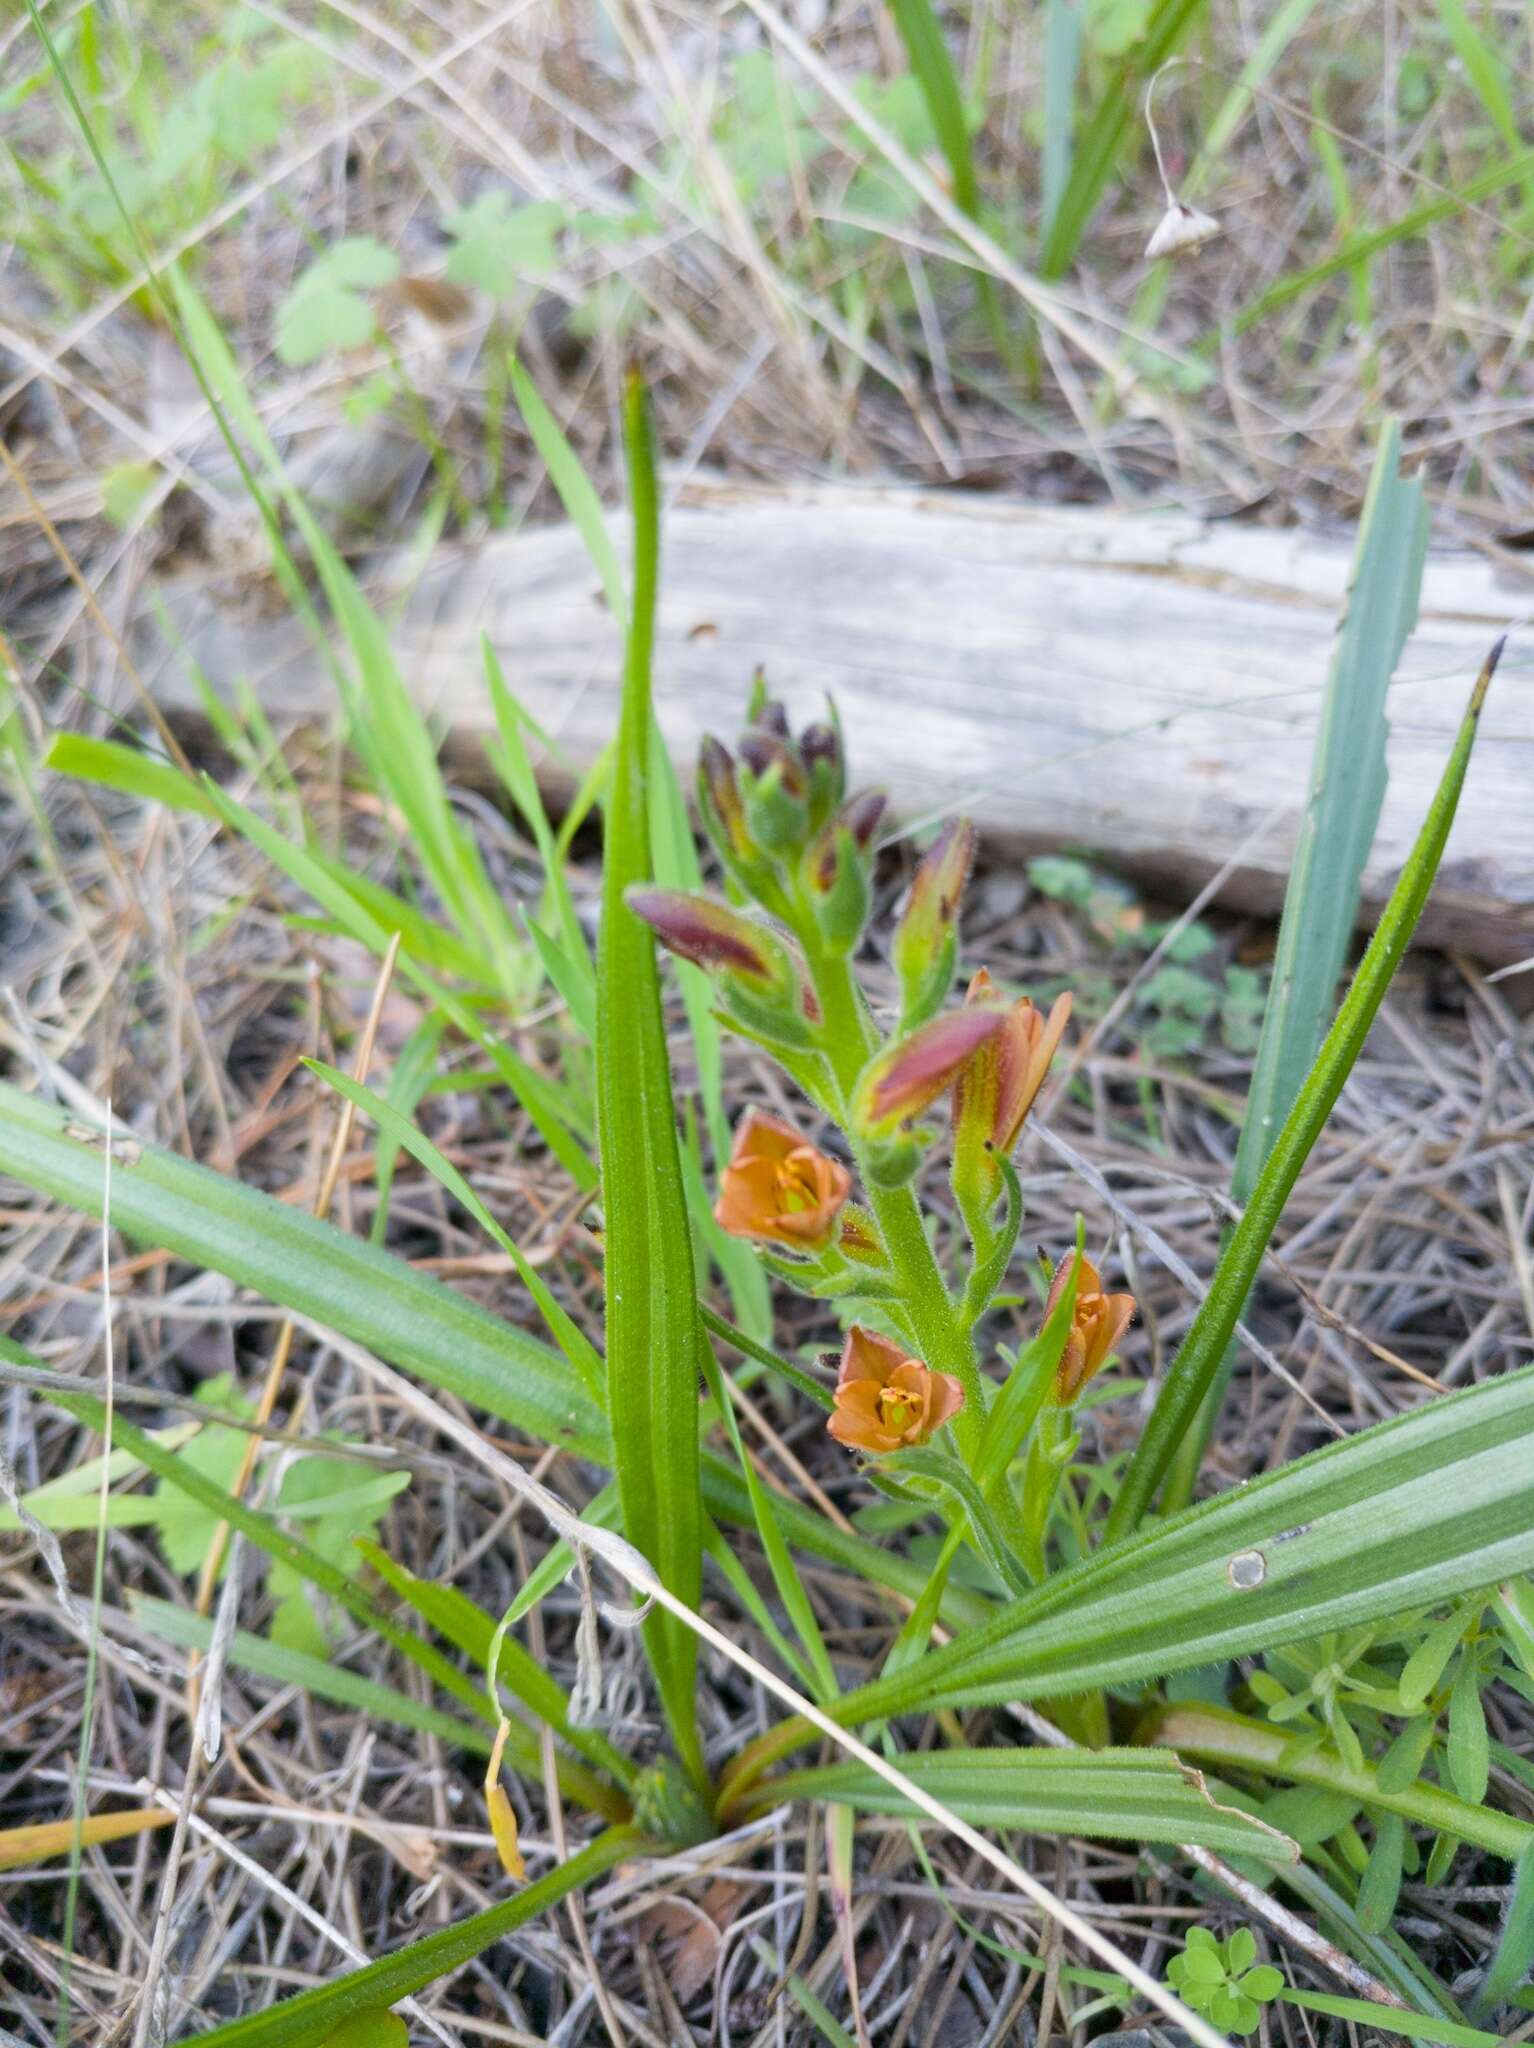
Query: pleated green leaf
290	1257
1196	1365
654	1337
1408	1514
1136	1795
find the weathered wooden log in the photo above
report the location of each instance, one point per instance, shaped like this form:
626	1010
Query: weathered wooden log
1143	687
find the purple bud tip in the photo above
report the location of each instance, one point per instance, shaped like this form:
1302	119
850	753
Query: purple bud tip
920	1068
771	717
819	743
708	934
762	751
861	815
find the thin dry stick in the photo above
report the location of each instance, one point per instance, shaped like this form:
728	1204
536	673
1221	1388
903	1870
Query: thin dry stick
631	1566
212	1564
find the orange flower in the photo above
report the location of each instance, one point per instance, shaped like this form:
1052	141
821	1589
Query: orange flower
1098	1322
778	1187
884	1400
1000	1085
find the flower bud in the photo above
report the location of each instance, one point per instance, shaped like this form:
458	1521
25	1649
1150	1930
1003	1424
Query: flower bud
838	886
779	1188
861	814
774	790
764	711
761	975
899	1082
886	1401
709	934
994	1093
719	802
926	943
1098	1321
820	749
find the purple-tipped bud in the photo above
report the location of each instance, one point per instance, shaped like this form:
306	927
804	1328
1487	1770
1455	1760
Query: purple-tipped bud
938	884
764	711
709	934
820	749
909	1075
820	743
926	944
861	814
764	751
719	800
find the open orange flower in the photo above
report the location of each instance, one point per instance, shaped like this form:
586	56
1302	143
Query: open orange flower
998	1087
778	1187
1098	1322
886	1401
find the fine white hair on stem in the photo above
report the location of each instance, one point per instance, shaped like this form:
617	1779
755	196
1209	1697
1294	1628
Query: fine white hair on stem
622	1558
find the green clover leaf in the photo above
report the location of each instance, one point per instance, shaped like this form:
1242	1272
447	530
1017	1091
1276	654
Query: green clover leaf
327	307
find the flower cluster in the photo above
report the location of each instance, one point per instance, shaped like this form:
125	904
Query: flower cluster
798	853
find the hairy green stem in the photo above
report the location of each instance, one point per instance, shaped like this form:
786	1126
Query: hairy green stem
939	1323
1234	1741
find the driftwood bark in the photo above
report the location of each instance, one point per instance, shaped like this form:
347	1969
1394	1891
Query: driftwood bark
1145	688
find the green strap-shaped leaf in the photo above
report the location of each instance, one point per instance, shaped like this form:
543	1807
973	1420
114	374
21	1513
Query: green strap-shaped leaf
465	1624
1123	1794
380	1301
1193	1370
654	1336
1342	810
305	2021
290	1257
1408	1514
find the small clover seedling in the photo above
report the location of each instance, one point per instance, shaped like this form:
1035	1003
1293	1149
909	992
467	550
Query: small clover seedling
1223	1979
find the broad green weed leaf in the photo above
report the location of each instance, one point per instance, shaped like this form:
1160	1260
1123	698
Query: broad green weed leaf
497	246
215	1454
351	1503
328	307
